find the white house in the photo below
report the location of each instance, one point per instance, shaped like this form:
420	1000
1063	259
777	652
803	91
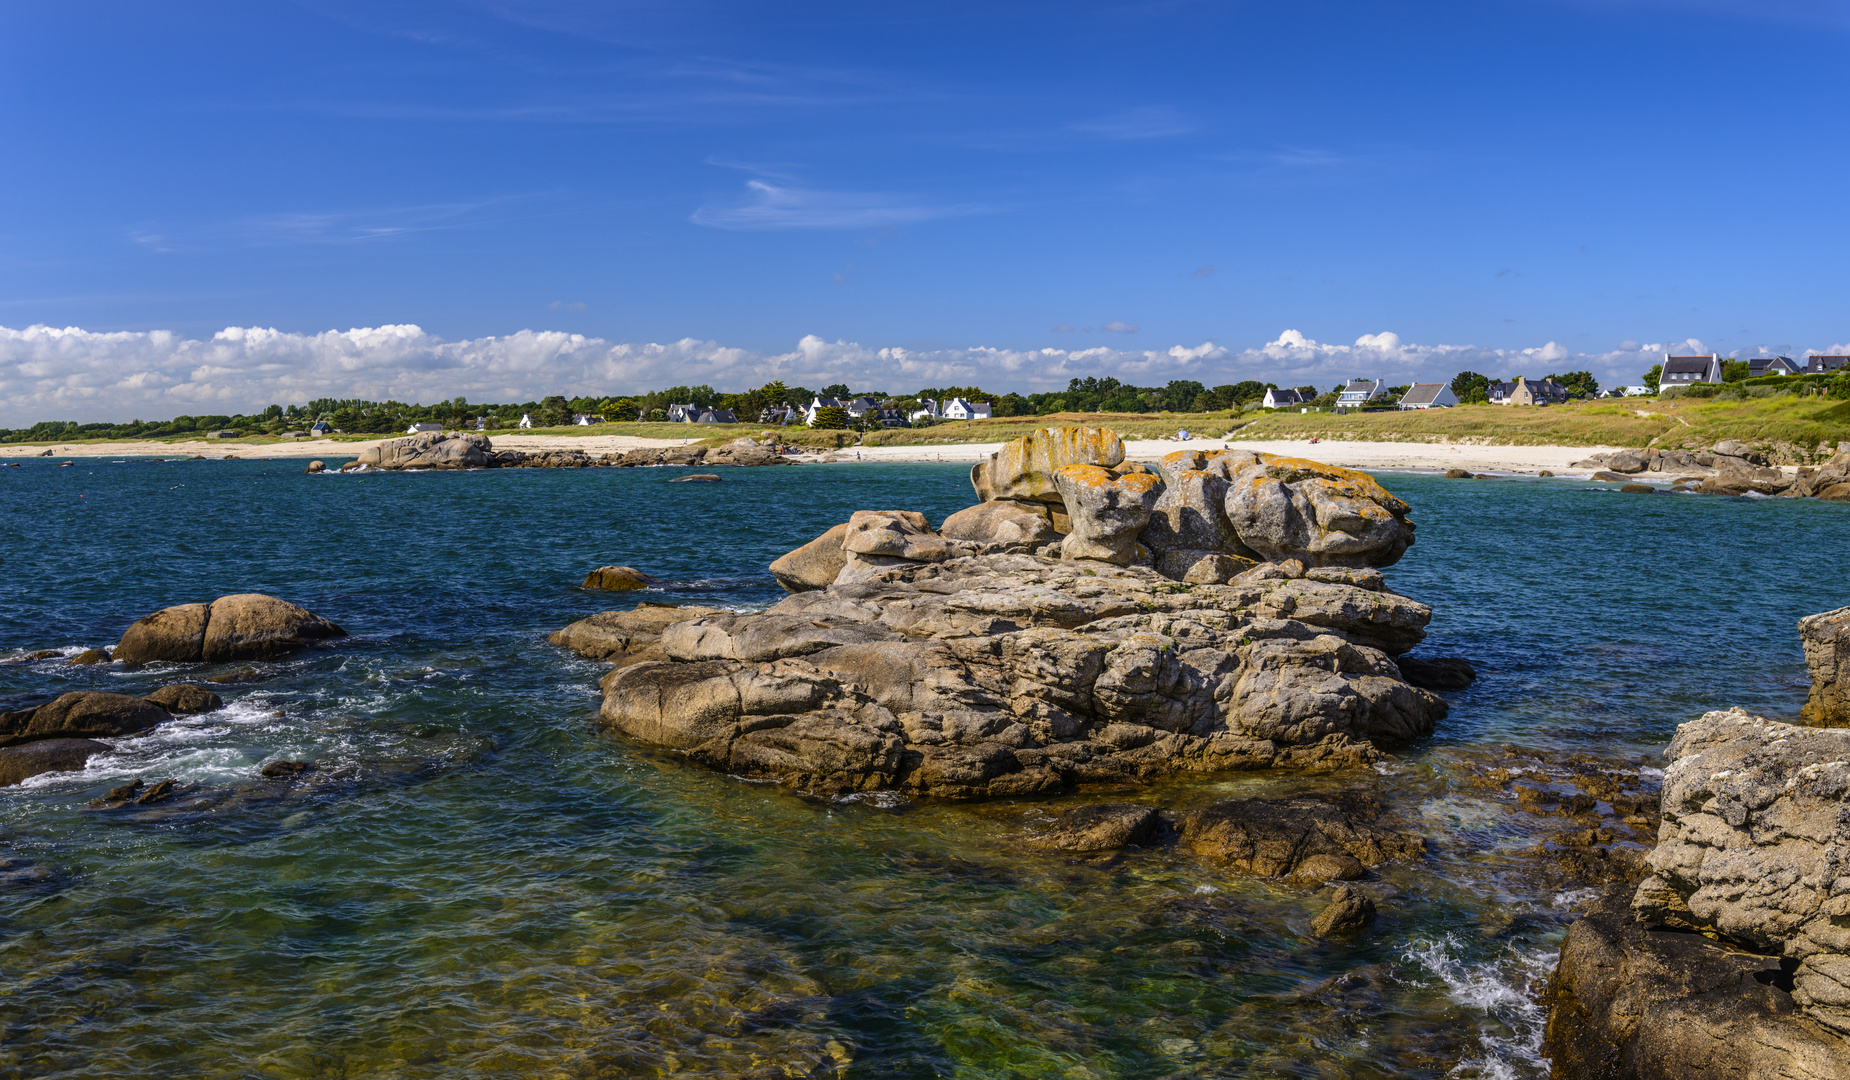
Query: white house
1689	370
1279	399
928	410
960	409
682	414
1361	392
419	429
481	423
526	420
809	418
586	420
1428	395
860	406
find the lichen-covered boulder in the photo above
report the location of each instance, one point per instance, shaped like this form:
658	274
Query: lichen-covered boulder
1002	524
1108	510
1024	469
1755	847
430	450
815	565
244	626
1291	508
1190	515
1826	638
81	714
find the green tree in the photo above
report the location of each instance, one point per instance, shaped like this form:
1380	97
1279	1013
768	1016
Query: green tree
555	411
1651	376
1734	370
1470	388
1580	384
616	409
831	417
658	416
836	390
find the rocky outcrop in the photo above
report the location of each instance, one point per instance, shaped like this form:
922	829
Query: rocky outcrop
1003	525
1108	509
186	698
1826	638
815	565
18	763
1024	469
1333	837
431	450
626	637
245	626
745	452
81	714
1755	848
1102	827
876	540
1290	508
618	579
1629	1001
1349	913
1000	674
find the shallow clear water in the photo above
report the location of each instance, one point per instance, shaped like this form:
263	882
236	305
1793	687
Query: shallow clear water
478	883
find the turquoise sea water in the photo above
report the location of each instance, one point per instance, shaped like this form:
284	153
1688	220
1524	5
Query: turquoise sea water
476	883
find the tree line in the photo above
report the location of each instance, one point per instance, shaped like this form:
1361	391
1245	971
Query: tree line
359	416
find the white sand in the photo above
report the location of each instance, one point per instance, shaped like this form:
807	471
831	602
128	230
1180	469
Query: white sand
1359	455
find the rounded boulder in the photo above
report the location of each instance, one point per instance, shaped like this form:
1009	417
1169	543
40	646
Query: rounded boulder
18	763
186	698
82	714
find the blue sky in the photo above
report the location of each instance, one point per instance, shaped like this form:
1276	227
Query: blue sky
899	193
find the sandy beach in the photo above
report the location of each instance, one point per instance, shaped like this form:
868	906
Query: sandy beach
1357	455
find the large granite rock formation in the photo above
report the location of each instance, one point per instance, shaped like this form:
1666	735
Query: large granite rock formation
430	450
1024	469
1634	1002
1827	653
244	626
1755	848
81	714
1002	674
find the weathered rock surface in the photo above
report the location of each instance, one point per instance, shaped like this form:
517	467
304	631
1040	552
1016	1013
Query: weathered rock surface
1001	674
19	763
626	636
1350	912
1108	511
81	714
618	579
1315	837
1024	469
745	452
244	626
1826	638
1632	1002
878	539
431	450
815	565
1755	847
1002	525
1102	827
1290	508
181	698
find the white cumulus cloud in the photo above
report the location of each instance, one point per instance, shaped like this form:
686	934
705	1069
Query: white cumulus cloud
51	373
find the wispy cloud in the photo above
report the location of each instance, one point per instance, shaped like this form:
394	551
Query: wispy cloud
1118	327
1149	122
786	206
315	226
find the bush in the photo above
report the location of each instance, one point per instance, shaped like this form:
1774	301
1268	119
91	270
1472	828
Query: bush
831	418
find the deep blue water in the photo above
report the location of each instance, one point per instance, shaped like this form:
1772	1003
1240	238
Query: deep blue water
484	885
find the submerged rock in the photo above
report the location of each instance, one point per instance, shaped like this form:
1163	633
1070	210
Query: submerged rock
1826	638
1437	672
1349	913
1102	827
1313	837
19	763
244	626
1755	847
1632	1002
81	714
88	656
618	579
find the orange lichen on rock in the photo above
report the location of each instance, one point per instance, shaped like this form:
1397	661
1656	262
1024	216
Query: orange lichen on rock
1024	469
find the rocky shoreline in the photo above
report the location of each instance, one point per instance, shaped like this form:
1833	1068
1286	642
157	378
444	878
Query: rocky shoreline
1730	469
468	450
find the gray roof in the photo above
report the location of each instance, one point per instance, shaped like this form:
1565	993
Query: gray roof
1423	393
1681	364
